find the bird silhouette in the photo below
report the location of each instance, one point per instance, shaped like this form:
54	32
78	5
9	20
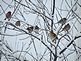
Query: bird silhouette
66	27
36	29
17	23
30	29
62	21
8	15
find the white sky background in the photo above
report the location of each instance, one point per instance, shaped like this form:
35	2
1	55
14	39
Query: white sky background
14	41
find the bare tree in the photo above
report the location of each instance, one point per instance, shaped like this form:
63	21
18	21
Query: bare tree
39	30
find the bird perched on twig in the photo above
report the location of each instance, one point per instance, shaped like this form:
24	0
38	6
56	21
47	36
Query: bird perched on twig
17	23
52	36
8	15
36	29
66	27
62	21
30	29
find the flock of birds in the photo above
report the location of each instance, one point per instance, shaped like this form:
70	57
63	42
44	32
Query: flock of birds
51	34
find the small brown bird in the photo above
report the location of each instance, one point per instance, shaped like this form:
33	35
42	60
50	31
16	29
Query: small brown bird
8	15
66	27
62	21
17	23
30	29
52	36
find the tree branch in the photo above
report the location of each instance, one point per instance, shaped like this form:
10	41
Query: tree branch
69	44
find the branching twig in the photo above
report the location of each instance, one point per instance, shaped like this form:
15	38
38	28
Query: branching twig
69	44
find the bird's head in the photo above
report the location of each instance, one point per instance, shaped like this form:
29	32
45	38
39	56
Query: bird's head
9	12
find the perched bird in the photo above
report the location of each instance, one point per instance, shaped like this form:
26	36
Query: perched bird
30	29
52	36
36	29
66	27
62	21
17	23
8	15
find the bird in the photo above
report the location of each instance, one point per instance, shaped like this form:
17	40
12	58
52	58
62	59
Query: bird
8	15
66	27
17	23
52	36
36	29
30	29
62	21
